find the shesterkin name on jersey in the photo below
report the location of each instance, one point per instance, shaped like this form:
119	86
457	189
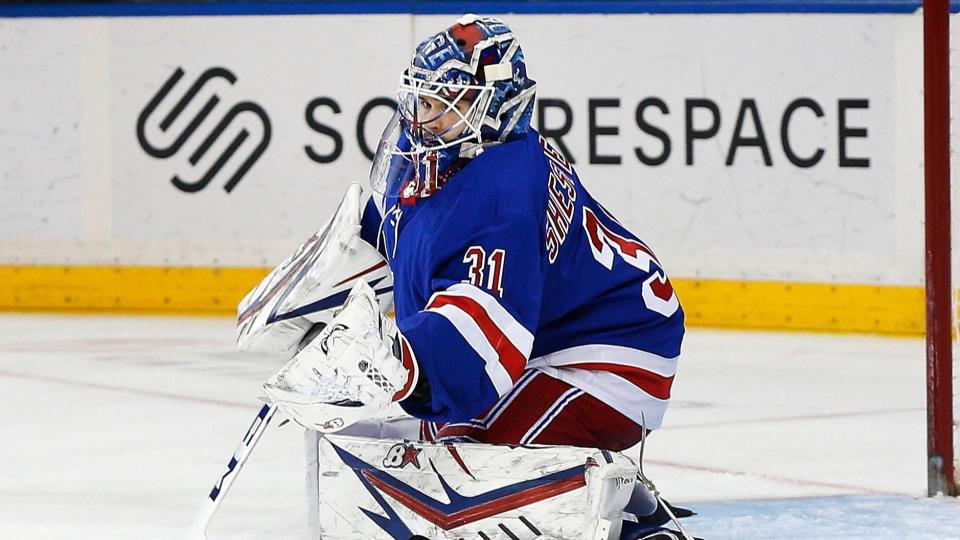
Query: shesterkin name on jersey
562	196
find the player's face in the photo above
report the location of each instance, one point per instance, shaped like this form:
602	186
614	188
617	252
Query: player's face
438	117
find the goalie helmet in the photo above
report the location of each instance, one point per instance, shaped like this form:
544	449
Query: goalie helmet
466	88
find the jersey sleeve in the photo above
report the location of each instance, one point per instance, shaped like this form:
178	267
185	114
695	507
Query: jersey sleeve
474	336
370	222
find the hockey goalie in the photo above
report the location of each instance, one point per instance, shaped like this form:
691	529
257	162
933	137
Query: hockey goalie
535	339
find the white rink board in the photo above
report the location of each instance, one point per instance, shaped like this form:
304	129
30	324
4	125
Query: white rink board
78	187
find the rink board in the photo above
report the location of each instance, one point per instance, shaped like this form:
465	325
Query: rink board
810	183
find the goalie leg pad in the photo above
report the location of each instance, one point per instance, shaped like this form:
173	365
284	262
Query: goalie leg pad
609	487
390	427
399	489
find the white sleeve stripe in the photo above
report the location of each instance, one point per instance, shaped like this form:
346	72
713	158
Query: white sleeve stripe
472	334
608	354
521	338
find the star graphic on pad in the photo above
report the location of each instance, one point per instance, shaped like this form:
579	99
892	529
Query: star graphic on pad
410	455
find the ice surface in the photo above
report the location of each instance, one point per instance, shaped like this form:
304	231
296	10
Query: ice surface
878	517
116	428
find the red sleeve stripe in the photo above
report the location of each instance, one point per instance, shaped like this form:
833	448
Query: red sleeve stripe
521	338
657	386
470	331
509	355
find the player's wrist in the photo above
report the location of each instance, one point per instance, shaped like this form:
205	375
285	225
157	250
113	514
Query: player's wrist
415	383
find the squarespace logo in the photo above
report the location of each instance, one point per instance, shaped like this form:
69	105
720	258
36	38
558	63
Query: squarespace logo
196	128
660	124
199	181
754	135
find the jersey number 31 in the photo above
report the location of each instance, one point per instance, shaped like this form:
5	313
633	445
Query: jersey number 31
481	265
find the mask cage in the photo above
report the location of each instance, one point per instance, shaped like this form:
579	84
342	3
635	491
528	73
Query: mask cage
447	98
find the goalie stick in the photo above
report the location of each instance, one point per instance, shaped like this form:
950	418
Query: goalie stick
198	529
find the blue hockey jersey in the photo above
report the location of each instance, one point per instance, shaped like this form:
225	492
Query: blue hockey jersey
511	265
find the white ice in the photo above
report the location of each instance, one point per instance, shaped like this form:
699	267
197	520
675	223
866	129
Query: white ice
117	427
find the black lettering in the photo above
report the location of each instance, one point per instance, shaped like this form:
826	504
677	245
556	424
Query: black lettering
596	131
847	132
693	134
362	121
200	151
650	129
785	132
556	134
739	140
325	129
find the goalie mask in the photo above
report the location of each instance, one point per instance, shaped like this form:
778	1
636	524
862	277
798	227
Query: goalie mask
466	89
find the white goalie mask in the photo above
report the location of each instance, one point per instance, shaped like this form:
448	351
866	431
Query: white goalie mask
442	115
465	89
466	85
434	126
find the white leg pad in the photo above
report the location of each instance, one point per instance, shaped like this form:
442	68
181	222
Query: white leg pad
609	487
395	488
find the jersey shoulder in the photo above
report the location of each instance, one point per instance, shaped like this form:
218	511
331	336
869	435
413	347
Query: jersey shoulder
500	196
507	180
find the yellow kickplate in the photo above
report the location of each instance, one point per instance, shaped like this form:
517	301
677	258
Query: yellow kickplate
127	289
885	309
